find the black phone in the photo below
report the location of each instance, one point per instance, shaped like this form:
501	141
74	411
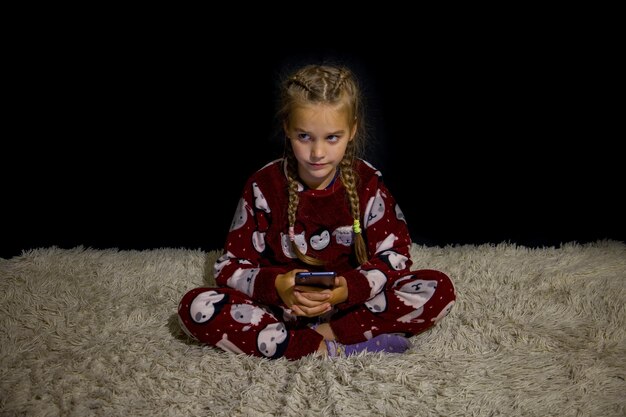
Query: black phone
316	279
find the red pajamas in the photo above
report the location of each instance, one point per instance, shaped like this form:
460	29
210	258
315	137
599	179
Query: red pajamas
230	320
245	313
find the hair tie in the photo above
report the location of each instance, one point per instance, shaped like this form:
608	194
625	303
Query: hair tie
356	226
292	234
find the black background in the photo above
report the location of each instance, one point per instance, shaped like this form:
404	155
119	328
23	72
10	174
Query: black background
145	141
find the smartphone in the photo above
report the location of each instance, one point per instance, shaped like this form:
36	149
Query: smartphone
316	279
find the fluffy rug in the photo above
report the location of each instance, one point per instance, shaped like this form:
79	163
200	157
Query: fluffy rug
535	332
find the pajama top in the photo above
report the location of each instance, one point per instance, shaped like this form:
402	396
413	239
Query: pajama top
258	248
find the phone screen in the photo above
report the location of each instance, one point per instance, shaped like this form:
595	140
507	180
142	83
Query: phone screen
316	279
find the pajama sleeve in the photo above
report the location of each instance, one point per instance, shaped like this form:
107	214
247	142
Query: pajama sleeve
241	266
388	243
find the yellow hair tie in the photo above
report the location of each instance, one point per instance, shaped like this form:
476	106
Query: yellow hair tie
356	227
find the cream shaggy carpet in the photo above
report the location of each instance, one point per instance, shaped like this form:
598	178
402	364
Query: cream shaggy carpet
535	332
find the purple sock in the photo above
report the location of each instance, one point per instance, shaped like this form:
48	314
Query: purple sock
390	343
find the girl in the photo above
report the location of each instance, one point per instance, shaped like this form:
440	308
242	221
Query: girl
319	208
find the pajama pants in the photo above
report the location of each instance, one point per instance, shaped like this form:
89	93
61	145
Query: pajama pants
230	320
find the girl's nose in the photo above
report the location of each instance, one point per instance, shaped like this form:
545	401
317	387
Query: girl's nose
317	149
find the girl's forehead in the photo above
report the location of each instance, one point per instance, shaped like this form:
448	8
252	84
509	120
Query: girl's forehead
320	113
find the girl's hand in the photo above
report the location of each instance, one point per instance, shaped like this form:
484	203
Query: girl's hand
303	301
311	301
312	296
340	291
284	284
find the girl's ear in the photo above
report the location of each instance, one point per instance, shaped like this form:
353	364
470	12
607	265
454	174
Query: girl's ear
285	128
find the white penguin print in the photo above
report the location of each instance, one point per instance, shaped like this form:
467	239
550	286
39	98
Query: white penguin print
258	241
412	317
241	215
320	241
222	262
377	280
375	209
286	244
205	305
259	199
243	280
443	313
414	292
387	243
399	214
270	339
246	314
394	259
378	304
344	235
227	345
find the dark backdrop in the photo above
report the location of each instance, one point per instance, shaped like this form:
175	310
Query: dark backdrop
140	143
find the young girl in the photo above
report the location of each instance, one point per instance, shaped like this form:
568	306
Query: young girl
320	208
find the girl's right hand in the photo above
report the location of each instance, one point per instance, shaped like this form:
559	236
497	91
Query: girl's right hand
284	284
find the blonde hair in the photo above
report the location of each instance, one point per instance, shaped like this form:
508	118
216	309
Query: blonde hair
334	85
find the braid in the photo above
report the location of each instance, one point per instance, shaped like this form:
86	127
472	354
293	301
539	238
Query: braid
341	78
321	85
292	189
349	179
292	208
296	80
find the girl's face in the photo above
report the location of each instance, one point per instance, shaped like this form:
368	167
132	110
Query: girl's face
319	135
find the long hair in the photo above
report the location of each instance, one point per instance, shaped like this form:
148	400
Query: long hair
335	85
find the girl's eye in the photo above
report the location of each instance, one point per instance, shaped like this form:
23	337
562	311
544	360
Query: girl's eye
332	138
303	137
